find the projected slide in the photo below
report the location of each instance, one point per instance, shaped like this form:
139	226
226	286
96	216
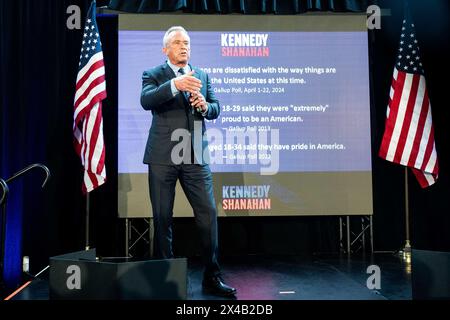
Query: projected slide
293	136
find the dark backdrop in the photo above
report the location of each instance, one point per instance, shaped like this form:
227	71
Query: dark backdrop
39	61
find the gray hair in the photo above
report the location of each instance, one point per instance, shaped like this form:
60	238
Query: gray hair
172	30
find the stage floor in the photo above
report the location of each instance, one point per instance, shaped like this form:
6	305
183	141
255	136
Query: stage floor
318	277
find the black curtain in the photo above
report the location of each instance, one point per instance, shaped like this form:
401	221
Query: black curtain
238	6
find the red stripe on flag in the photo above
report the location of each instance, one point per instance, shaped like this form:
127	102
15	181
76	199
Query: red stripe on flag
101	164
423	182
95	135
97	98
85	144
419	132
88	90
393	110
436	168
91	69
92	179
428	150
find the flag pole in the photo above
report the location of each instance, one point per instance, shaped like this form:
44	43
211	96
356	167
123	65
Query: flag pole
87	195
91	90
87	222
407	248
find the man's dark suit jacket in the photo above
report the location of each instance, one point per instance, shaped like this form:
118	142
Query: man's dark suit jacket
173	112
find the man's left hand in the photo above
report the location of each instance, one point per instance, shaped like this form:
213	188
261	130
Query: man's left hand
198	102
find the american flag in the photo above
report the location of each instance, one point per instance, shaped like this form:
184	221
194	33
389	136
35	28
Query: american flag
409	135
88	120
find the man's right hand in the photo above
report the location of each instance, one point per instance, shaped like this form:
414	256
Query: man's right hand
188	83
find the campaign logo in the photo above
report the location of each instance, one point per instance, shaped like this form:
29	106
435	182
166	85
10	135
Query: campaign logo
246	197
244	44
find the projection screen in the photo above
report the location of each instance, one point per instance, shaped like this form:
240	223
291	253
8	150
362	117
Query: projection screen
293	136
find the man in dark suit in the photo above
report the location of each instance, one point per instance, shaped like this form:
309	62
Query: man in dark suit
180	97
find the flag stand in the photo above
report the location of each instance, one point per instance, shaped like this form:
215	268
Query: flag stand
87	222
